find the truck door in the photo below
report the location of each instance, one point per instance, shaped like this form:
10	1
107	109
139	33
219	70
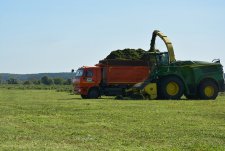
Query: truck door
91	77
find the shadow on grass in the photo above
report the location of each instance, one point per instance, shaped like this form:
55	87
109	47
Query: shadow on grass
126	99
99	99
67	99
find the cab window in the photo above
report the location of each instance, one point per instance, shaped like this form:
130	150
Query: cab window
79	73
89	73
163	59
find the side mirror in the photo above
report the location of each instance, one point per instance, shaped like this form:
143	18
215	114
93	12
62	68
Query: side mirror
72	70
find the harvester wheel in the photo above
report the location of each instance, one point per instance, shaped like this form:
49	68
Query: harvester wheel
208	90
93	93
171	88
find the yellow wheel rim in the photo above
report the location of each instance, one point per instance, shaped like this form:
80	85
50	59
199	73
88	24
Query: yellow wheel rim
172	88
209	91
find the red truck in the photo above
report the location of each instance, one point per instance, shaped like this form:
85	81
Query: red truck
109	77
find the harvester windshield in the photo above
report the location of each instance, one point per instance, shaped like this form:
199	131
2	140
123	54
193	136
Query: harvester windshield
162	58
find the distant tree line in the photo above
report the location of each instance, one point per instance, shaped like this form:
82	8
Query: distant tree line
44	80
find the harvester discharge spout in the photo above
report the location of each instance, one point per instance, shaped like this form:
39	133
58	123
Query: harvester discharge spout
167	42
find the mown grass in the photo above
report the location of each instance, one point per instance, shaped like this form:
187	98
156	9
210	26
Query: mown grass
58	88
50	120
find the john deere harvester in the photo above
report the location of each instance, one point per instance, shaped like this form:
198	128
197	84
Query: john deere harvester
171	79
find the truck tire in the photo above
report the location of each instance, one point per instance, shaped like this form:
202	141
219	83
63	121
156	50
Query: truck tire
208	90
93	93
171	88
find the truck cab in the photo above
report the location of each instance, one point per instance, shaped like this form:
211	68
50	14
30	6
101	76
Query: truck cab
86	78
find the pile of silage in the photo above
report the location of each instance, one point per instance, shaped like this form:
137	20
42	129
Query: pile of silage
126	54
129	57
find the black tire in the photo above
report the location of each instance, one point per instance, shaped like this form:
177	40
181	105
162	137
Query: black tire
93	93
170	88
208	90
83	96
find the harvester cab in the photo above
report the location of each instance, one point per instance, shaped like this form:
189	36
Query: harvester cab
171	79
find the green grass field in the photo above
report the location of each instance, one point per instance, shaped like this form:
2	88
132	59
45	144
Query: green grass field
50	120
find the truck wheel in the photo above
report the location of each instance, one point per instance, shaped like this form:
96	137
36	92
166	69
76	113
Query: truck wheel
208	90
171	88
93	94
83	96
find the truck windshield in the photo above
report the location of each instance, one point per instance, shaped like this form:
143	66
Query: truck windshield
79	73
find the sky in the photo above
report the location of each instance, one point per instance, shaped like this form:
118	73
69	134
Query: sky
39	36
